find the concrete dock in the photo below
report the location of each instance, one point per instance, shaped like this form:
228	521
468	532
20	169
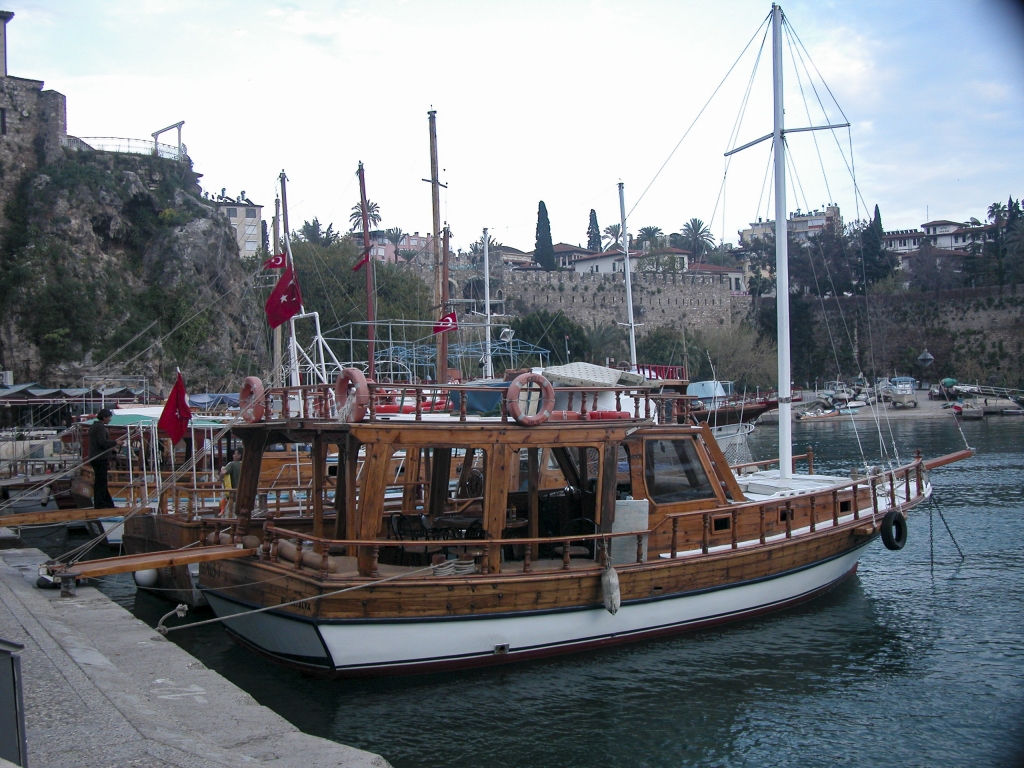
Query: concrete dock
925	409
104	690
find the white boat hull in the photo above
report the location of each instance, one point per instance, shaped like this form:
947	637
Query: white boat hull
375	647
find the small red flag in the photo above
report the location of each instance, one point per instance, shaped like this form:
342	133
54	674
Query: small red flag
364	260
447	323
285	300
280	261
176	414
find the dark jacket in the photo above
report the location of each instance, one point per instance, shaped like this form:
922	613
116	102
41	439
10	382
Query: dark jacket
99	441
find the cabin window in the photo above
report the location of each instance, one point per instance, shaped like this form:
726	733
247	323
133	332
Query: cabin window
674	472
846	506
719	524
785	514
623	477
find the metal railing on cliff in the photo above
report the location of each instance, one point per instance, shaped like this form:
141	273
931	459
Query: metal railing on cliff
125	146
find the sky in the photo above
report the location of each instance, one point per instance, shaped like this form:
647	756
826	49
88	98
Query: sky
554	101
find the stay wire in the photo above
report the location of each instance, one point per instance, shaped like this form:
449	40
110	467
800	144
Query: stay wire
807	111
701	112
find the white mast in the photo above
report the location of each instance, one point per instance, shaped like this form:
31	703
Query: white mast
781	257
629	289
488	372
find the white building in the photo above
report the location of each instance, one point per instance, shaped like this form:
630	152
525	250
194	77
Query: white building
246	219
801	225
943	234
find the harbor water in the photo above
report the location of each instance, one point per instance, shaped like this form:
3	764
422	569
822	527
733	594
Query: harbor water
918	660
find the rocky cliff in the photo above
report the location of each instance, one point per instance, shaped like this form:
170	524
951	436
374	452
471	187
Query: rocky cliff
114	265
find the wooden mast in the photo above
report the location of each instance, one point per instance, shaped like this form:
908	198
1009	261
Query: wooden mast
441	367
442	340
277	378
370	308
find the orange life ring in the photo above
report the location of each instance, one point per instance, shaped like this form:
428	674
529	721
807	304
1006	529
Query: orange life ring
252	400
546	406
361	398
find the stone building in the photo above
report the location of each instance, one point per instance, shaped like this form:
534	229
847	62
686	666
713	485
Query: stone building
33	123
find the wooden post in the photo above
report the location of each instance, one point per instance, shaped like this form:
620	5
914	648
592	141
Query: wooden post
874	497
892	489
855	503
810	462
249	478
565	555
835	508
317	456
639	548
526	558
341	491
583	405
675	536
761	510
735	535
813	514
705	541
789	519
906	485
533	496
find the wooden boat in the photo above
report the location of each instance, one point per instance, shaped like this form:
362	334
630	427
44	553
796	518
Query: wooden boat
649	500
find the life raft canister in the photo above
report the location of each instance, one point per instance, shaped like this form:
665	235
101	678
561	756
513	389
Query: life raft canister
352	377
252	400
894	530
522	381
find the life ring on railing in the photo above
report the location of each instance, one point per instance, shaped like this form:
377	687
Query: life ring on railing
252	400
894	530
546	406
360	399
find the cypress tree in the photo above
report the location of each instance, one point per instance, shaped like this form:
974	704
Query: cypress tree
593	233
544	250
878	263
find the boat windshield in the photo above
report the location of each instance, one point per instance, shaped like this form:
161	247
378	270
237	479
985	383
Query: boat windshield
673	472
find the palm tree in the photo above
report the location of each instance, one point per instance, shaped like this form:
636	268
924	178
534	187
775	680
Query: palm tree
650	235
312	232
408	254
613	235
997	214
477	248
356	217
697	238
395	235
604	340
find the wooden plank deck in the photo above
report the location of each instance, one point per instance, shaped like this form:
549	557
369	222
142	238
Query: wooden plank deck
87	569
61	516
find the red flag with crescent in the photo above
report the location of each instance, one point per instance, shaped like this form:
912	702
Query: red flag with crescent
364	260
285	301
446	323
176	414
278	261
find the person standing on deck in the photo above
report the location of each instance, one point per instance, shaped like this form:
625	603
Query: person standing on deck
230	474
100	446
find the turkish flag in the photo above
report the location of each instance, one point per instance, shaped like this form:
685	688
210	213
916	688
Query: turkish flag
447	323
364	260
280	261
176	414
285	300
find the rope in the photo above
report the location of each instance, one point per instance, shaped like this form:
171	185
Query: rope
180	610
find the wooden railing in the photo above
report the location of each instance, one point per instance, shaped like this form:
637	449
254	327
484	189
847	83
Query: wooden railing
488	550
769	462
820	506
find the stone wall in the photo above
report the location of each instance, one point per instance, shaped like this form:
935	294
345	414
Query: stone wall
34	122
659	299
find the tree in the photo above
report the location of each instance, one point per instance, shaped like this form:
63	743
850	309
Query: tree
997	213
613	235
604	340
650	236
548	330
544	250
879	263
477	248
593	233
356	217
311	232
697	238
395	235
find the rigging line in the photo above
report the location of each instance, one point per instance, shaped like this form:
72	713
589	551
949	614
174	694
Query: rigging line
823	81
107	359
767	171
824	314
807	111
690	128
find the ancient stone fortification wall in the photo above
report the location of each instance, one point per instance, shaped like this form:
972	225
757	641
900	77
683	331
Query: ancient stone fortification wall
696	301
34	121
